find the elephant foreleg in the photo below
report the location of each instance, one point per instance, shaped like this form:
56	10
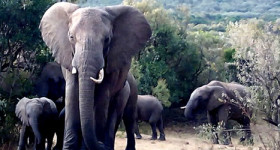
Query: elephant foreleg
129	127
110	132
60	130
22	138
129	118
72	114
212	119
116	110
223	115
50	140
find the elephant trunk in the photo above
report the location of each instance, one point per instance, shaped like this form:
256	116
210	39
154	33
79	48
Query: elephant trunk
189	110
89	70
36	130
87	113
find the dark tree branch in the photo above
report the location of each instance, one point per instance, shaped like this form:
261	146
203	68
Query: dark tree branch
270	121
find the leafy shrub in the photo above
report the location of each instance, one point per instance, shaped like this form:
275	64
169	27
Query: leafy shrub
162	92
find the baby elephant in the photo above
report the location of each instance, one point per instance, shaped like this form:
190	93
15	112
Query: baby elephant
39	114
149	109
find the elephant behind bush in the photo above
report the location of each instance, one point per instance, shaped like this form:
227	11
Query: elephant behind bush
223	102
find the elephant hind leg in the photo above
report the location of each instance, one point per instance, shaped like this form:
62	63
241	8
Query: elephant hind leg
154	131
160	128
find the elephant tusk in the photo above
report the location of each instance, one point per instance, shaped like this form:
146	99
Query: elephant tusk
183	107
100	77
74	70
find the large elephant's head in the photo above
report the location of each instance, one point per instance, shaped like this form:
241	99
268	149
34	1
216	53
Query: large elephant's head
83	37
91	41
205	97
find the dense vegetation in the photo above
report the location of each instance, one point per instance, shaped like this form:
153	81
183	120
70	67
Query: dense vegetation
193	42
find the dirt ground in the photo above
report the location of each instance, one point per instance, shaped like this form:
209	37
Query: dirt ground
184	138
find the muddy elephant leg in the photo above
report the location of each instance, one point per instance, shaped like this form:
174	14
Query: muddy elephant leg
72	114
223	115
213	120
22	138
160	128
137	133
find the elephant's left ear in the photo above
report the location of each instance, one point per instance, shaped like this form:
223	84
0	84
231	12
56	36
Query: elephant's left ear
131	31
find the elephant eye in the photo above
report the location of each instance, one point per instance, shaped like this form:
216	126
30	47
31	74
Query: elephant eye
71	37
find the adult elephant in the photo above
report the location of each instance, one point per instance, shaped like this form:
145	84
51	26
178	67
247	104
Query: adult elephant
216	97
94	46
40	115
51	84
149	109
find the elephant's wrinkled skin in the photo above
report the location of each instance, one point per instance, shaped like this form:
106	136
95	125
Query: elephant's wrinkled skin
216	98
39	114
149	109
94	46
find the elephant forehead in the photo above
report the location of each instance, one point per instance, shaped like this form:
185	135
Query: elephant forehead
88	19
87	15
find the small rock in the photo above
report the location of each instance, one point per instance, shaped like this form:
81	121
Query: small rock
187	143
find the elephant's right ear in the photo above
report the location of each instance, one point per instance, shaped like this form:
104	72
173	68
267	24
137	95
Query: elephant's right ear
21	110
54	27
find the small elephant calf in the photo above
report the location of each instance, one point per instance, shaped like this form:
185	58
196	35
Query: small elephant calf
149	109
40	115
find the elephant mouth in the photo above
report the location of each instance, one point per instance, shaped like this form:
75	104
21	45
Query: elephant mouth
97	81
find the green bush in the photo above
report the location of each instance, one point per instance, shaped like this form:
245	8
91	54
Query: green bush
162	92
